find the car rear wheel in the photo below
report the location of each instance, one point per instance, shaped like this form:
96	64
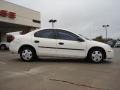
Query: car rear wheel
96	55
27	54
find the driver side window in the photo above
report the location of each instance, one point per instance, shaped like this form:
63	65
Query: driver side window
65	35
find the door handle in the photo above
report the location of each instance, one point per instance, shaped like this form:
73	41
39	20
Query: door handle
36	41
61	43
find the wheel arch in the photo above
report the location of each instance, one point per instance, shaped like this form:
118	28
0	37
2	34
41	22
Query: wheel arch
97	47
26	45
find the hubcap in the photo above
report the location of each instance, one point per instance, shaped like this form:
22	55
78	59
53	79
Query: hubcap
96	56
27	54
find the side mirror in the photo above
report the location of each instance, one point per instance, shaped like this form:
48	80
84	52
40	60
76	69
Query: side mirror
81	40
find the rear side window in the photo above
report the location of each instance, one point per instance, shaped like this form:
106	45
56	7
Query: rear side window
47	33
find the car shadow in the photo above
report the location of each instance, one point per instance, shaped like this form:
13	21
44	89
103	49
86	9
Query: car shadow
82	61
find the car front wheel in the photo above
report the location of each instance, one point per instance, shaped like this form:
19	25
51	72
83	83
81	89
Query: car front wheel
96	55
27	54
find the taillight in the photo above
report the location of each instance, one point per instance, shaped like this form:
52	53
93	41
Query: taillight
10	38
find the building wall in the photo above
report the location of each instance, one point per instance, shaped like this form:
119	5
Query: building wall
24	16
3	37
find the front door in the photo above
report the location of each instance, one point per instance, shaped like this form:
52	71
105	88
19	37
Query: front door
70	45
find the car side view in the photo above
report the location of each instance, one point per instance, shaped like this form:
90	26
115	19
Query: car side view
60	44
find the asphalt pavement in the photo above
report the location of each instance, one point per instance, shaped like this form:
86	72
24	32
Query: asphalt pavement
48	74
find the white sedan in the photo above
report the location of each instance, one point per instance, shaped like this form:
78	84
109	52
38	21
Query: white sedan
59	43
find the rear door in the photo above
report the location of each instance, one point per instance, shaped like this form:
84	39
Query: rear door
45	42
70	45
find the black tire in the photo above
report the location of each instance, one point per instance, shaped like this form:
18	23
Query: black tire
27	54
3	47
95	55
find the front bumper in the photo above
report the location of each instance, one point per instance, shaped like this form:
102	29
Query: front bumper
109	54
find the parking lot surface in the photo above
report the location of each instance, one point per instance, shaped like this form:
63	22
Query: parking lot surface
50	74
